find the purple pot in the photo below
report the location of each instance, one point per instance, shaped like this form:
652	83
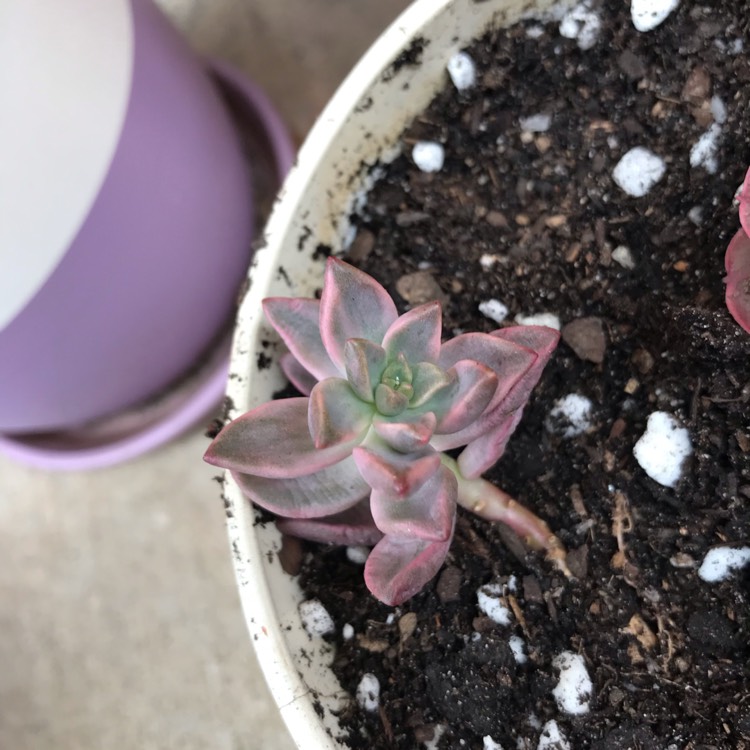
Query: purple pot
145	285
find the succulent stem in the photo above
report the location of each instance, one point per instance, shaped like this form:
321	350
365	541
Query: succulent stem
492	504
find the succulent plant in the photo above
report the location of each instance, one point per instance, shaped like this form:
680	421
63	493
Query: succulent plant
737	263
360	459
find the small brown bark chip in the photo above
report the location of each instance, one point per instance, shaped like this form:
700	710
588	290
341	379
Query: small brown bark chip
586	337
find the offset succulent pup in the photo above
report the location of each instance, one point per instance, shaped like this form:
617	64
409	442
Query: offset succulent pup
360	459
737	263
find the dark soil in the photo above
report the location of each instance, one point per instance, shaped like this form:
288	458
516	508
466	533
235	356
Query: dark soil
668	654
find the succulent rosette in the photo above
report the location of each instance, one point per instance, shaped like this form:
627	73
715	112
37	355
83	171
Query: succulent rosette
360	458
737	263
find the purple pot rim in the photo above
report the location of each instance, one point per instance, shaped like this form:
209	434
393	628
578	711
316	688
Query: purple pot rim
203	392
198	404
260	106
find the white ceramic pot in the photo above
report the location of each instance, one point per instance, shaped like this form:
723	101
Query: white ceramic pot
360	126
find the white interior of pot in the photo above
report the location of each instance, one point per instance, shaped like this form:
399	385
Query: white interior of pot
359	127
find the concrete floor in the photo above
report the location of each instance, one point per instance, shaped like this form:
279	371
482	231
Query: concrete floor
119	622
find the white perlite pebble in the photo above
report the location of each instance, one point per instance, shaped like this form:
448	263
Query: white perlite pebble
487	260
534	32
695	214
622	255
358	555
638	171
539	319
428	156
489	744
315	618
582	24
517	647
368	692
663	448
347	632
494	310
720	562
718	109
570	416
648	14
462	71
552	738
733	47
705	152
536	123
488	600
574	686
437	732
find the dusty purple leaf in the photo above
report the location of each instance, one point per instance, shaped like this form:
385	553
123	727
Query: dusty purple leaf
428	380
251	443
353	306
509	362
737	262
297	321
336	416
426	513
541	340
322	493
350	527
399	568
744	199
416	333
406	433
303	380
397	473
483	452
389	401
475	387
364	363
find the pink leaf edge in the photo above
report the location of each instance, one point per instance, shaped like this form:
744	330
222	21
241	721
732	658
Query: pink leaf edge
737	263
399	568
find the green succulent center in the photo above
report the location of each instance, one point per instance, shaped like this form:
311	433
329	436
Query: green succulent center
398	376
394	391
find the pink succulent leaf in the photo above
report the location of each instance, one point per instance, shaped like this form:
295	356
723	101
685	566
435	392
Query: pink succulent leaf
399	568
406	433
336	416
475	387
426	513
364	362
389	401
428	380
541	340
273	441
353	306
482	453
508	360
322	493
416	334
744	198
737	262
297	321
352	526
396	473
303	380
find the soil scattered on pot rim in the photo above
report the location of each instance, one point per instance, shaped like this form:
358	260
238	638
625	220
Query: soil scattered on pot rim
532	221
